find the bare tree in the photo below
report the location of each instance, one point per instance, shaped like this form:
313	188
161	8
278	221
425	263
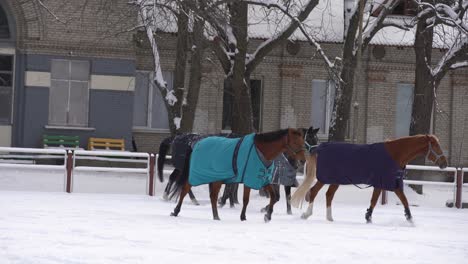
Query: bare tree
370	15
181	101
447	20
229	21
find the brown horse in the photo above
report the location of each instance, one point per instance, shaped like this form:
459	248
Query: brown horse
382	165
265	146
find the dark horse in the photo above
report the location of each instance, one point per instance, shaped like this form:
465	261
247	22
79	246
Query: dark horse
380	165
180	145
286	169
248	160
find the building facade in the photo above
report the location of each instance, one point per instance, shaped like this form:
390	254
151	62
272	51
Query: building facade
78	70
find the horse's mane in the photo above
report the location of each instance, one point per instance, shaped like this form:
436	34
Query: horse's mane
271	136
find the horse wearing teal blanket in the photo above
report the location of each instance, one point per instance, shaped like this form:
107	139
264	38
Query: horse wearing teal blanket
249	160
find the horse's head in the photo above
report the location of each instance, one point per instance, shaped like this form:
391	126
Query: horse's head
435	153
310	137
295	146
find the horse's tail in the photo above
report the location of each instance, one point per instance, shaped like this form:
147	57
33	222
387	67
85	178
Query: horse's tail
163	148
184	176
300	193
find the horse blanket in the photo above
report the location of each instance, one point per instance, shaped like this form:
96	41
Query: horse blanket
218	159
343	163
181	145
184	143
285	171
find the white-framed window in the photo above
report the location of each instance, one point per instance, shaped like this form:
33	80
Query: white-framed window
404	107
323	94
256	95
149	109
69	93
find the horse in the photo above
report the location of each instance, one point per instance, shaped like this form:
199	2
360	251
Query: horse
381	165
286	170
248	160
179	145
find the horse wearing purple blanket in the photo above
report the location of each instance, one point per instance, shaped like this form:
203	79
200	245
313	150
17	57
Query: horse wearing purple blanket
380	165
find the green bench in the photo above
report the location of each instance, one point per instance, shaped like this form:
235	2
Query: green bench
59	141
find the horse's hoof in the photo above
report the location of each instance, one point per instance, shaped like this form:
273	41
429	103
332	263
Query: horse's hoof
195	202
165	197
267	218
264	209
304	216
330	219
216	218
232	206
243	219
174	214
289	212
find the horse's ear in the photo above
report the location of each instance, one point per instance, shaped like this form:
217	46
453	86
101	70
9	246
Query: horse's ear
315	130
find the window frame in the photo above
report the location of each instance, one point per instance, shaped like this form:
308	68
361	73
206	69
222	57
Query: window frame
69	81
328	107
399	87
8	52
149	110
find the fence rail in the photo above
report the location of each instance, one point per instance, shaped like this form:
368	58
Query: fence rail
71	156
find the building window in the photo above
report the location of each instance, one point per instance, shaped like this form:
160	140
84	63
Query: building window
404	108
4	27
69	93
256	100
323	94
149	109
6	90
405	8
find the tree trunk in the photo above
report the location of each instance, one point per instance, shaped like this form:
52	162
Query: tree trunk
188	116
344	90
180	65
423	99
423	96
242	107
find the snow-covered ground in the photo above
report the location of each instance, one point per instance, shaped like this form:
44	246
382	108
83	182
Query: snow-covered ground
39	223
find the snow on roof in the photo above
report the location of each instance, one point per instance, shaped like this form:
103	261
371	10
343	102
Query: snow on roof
325	22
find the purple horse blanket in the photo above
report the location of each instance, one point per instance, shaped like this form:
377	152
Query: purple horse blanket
343	163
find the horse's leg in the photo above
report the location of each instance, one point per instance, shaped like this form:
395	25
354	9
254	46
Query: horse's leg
374	199
184	192
399	192
330	194
287	193
214	191
192	197
170	182
234	195
312	194
246	202
270	189
276	189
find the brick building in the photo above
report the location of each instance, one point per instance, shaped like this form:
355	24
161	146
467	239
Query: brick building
88	75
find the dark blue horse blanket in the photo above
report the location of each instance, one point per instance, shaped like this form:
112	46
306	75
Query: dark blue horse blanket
212	160
343	163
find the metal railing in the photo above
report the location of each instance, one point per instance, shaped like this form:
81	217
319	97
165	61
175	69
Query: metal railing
70	157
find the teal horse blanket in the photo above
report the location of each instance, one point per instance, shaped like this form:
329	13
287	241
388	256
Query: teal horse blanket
230	161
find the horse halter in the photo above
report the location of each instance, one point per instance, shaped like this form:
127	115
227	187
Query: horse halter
308	147
431	150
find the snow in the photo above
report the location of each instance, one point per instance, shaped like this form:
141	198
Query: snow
92	225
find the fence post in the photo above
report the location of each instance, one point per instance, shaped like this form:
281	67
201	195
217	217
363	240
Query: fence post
69	167
458	195
152	162
384	197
